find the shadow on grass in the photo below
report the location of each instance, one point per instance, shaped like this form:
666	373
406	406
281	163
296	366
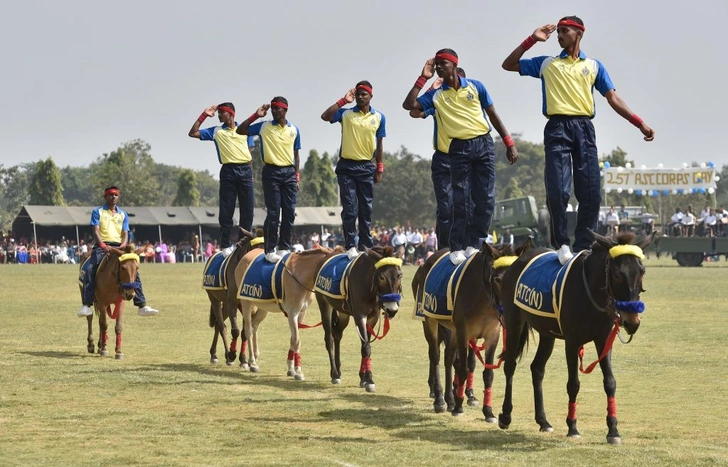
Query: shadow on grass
55	354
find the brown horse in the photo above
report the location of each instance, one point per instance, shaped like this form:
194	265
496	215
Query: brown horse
224	302
296	294
595	294
115	282
475	315
374	284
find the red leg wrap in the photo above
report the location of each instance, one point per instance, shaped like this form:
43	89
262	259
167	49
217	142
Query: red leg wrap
366	365
290	355
234	345
243	346
456	380
488	397
572	411
611	407
105	338
469	384
118	341
297	358
461	391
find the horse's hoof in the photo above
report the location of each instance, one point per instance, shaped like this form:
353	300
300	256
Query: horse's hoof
491	420
103	353
473	402
290	373
228	362
299	377
90	348
547	429
362	384
502	425
119	356
575	436
254	368
335	380
213	360
616	440
440	408
457	414
244	366
370	388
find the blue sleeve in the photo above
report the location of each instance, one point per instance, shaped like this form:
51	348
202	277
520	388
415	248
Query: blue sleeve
337	116
531	66
603	83
254	130
207	134
382	130
251	141
485	100
95	217
429	113
125	225
297	142
426	101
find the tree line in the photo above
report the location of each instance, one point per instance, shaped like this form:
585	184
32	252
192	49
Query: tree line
405	194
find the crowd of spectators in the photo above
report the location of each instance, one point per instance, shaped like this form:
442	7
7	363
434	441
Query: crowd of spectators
709	223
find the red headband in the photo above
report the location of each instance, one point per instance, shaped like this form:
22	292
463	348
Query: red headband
447	56
571	23
366	88
224	108
111	191
282	105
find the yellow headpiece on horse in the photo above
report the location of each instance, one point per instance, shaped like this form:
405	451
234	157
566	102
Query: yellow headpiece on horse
128	256
620	250
257	241
504	261
388	262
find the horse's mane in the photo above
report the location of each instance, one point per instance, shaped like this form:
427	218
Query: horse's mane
384	251
505	249
130	248
316	251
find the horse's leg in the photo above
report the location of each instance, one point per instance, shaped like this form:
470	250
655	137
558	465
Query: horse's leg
214	313
610	388
119	312
572	386
103	332
231	308
365	370
90	335
254	349
449	378
461	368
517	331
251	365
472	400
327	322
227	307
243	338
294	348
432	328
538	370
488	383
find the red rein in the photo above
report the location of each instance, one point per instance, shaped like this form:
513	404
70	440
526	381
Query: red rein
605	350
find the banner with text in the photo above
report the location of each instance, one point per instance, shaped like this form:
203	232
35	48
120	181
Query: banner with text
659	179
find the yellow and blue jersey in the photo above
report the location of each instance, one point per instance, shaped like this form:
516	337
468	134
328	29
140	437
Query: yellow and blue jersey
231	147
460	114
278	143
111	224
567	85
359	132
440	141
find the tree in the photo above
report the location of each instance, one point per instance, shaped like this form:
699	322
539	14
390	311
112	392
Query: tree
318	181
187	193
528	171
14	182
45	187
131	168
512	190
77	187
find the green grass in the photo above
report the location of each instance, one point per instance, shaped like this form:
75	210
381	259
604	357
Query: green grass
164	404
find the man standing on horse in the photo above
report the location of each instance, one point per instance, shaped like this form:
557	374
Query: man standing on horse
280	141
111	229
567	81
236	173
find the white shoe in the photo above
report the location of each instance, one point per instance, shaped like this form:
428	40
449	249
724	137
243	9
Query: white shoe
84	312
470	251
227	251
352	253
146	310
273	257
564	254
457	257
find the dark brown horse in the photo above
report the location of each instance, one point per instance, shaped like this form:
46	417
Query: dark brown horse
475	315
115	282
600	293
224	303
374	284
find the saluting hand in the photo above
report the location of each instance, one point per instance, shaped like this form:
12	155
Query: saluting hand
210	111
543	33
428	71
350	95
647	131
262	110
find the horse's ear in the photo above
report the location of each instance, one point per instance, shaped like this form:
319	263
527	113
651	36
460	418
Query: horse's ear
116	251
489	251
139	251
525	247
604	242
375	256
646	241
245	233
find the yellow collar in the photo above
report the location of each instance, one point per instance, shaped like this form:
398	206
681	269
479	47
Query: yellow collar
620	250
388	262
128	256
504	261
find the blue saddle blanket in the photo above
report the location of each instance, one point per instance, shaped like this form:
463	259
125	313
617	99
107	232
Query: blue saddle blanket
540	287
441	287
262	280
213	277
332	279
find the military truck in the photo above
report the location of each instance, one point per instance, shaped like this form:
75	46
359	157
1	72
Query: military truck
692	251
525	219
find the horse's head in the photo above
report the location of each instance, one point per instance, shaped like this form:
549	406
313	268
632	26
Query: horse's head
246	242
624	273
495	264
128	266
387	281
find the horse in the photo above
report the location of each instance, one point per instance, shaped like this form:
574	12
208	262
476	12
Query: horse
373	283
595	294
475	315
224	302
115	281
297	272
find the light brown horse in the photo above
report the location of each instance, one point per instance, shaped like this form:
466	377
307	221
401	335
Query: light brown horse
297	282
224	304
475	316
374	284
115	282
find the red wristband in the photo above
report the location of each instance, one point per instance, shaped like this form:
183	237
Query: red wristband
202	117
528	43
102	245
298	177
253	117
380	167
508	141
635	120
341	102
420	83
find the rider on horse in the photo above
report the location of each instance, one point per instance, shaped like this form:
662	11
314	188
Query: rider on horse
111	229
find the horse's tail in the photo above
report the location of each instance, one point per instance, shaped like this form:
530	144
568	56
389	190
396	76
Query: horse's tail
212	317
443	334
523	340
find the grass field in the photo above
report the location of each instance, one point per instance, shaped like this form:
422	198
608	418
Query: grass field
165	404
